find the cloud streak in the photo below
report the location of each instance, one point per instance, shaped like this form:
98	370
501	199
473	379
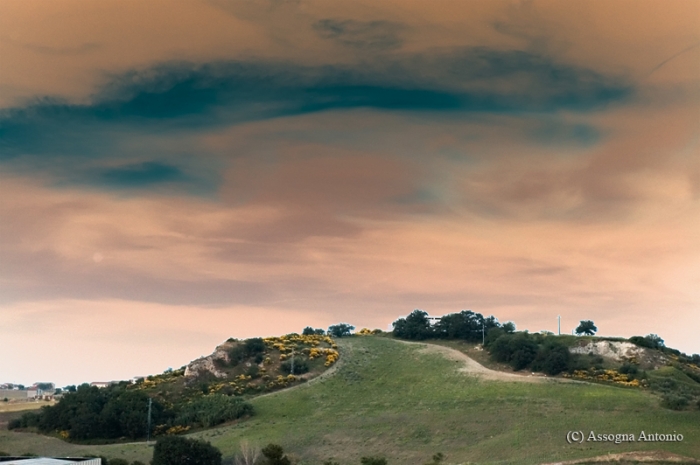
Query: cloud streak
473	80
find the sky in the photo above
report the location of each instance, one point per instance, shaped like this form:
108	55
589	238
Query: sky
173	174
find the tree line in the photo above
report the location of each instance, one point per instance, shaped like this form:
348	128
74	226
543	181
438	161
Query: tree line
117	412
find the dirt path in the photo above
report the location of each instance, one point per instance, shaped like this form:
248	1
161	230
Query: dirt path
472	367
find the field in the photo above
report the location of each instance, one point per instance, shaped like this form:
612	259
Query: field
20	406
406	403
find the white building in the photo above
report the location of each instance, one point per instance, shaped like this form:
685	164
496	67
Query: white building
49	461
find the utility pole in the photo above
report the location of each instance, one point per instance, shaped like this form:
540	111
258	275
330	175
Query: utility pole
559	319
148	433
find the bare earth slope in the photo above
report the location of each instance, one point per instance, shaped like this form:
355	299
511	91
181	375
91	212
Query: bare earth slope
472	367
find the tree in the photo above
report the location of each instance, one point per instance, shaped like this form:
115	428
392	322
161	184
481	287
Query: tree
655	342
340	330
308	331
586	327
509	327
415	326
178	450
274	455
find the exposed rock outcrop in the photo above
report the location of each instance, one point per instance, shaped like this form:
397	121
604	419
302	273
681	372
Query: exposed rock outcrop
614	350
208	364
622	351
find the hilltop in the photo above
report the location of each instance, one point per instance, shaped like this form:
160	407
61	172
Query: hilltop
408	401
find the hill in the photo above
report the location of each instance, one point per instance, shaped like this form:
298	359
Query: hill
407	403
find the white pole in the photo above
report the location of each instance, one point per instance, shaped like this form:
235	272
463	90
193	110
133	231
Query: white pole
148	433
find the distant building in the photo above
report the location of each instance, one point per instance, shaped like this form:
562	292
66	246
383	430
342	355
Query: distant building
12	394
102	384
49	461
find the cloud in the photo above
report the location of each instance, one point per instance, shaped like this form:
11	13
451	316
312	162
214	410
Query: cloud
140	174
187	97
364	35
52	50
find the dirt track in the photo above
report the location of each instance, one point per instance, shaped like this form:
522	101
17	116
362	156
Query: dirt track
471	367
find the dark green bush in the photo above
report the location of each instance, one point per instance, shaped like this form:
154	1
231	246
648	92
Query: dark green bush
213	410
178	450
641	342
674	401
629	369
553	358
274	455
373	461
254	346
300	367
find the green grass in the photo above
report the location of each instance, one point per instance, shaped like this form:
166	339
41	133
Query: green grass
388	398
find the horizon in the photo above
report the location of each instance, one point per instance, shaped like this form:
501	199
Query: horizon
65	383
172	175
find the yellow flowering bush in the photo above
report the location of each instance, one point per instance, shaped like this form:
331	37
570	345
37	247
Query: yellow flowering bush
611	376
177	429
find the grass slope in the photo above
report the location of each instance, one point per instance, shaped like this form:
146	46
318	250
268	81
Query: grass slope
388	398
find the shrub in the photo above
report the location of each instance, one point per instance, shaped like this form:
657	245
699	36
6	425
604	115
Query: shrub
373	461
437	459
274	455
300	367
213	410
640	341
629	369
674	402
254	346
177	450
552	359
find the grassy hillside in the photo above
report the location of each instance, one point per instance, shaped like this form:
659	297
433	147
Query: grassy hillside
395	399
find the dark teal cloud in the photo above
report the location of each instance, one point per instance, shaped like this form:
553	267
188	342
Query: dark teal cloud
184	98
473	80
140	175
